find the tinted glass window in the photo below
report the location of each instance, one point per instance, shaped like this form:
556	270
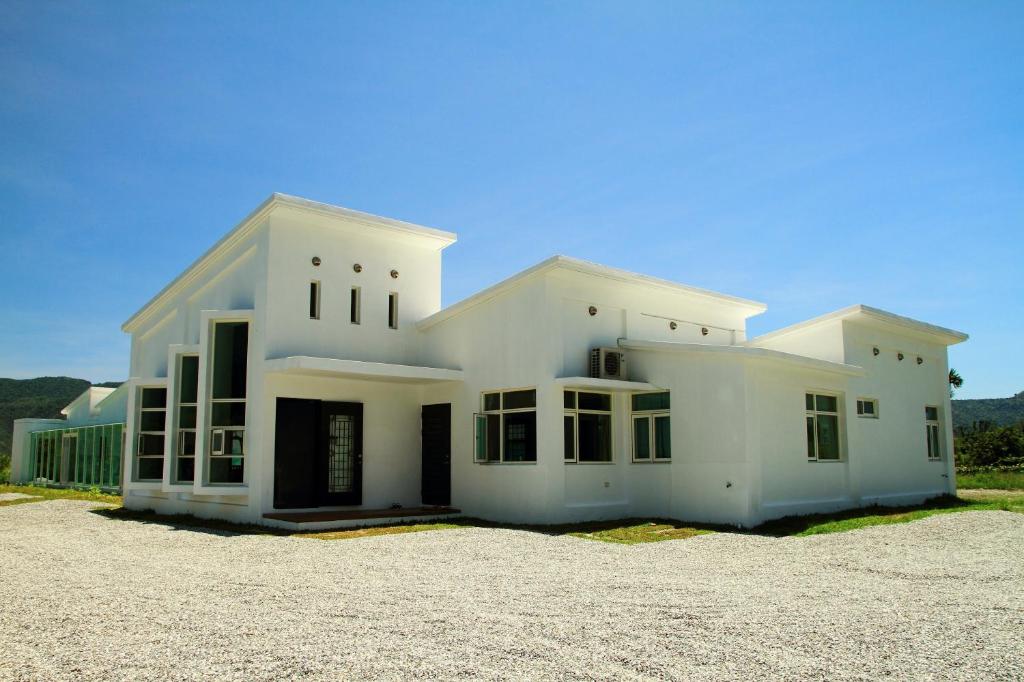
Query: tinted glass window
595	434
569	400
230	345
189	379
594	401
650	401
569	433
521	437
826	403
517	400
154	397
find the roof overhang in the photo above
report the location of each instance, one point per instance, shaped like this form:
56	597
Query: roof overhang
305	365
595	270
744	353
875	317
610	385
425	235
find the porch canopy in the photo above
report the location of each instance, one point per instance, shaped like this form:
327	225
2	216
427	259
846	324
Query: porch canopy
358	369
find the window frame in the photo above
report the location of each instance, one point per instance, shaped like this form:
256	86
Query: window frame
179	431
840	426
651	416
139	433
860	405
210	430
392	310
500	413
315	298
355	303
575	412
929	425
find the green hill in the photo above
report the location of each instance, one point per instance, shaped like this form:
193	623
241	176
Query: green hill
43	397
997	411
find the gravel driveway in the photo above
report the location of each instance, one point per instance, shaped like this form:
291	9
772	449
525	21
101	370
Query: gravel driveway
85	597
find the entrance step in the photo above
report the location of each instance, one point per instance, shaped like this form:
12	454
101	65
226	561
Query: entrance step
348	518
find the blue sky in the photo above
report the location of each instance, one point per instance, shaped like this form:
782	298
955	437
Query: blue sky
808	155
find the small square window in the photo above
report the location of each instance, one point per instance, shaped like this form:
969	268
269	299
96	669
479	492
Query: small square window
867	407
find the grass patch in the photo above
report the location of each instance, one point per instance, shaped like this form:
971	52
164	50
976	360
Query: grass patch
852	519
42	494
636	531
993	480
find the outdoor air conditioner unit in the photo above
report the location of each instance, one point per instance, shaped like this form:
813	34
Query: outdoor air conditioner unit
607	363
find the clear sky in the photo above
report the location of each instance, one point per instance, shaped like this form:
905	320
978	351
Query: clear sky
809	155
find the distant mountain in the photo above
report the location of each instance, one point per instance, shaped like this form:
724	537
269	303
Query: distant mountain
998	411
44	397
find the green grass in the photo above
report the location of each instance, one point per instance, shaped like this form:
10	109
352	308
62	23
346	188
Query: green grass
991	480
41	494
816	524
623	531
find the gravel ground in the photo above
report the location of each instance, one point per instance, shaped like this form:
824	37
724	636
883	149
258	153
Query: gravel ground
86	597
7	497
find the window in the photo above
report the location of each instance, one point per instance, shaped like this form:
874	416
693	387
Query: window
589	415
822	427
188	402
353	311
931	422
867	407
393	310
149	465
506	429
314	300
227	402
652	437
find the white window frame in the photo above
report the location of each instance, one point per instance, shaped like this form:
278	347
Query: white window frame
840	426
500	413
139	433
576	412
930	425
210	431
179	430
651	417
861	413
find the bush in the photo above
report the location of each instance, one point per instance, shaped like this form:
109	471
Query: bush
987	446
5	468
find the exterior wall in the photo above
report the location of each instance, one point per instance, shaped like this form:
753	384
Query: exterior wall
21	449
892	465
824	342
235	282
391	433
295	239
502	344
790	483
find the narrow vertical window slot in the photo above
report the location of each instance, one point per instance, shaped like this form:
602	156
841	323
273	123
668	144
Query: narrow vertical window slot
393	310
354	306
314	300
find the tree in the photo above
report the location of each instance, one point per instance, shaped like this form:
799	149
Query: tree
955	381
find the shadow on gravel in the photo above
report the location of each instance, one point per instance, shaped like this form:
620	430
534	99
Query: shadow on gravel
619	531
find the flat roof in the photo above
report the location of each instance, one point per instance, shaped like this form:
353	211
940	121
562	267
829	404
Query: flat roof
867	313
588	268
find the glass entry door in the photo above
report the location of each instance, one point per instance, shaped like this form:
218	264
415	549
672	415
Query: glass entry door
69	457
341	453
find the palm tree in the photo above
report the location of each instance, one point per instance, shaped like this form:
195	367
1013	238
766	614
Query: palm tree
955	381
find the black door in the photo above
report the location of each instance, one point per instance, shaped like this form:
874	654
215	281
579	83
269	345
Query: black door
295	453
341	453
436	434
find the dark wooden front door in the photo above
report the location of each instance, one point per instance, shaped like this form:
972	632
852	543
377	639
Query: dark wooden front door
341	453
318	454
436	435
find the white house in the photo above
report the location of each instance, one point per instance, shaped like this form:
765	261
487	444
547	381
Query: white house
83	449
303	372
